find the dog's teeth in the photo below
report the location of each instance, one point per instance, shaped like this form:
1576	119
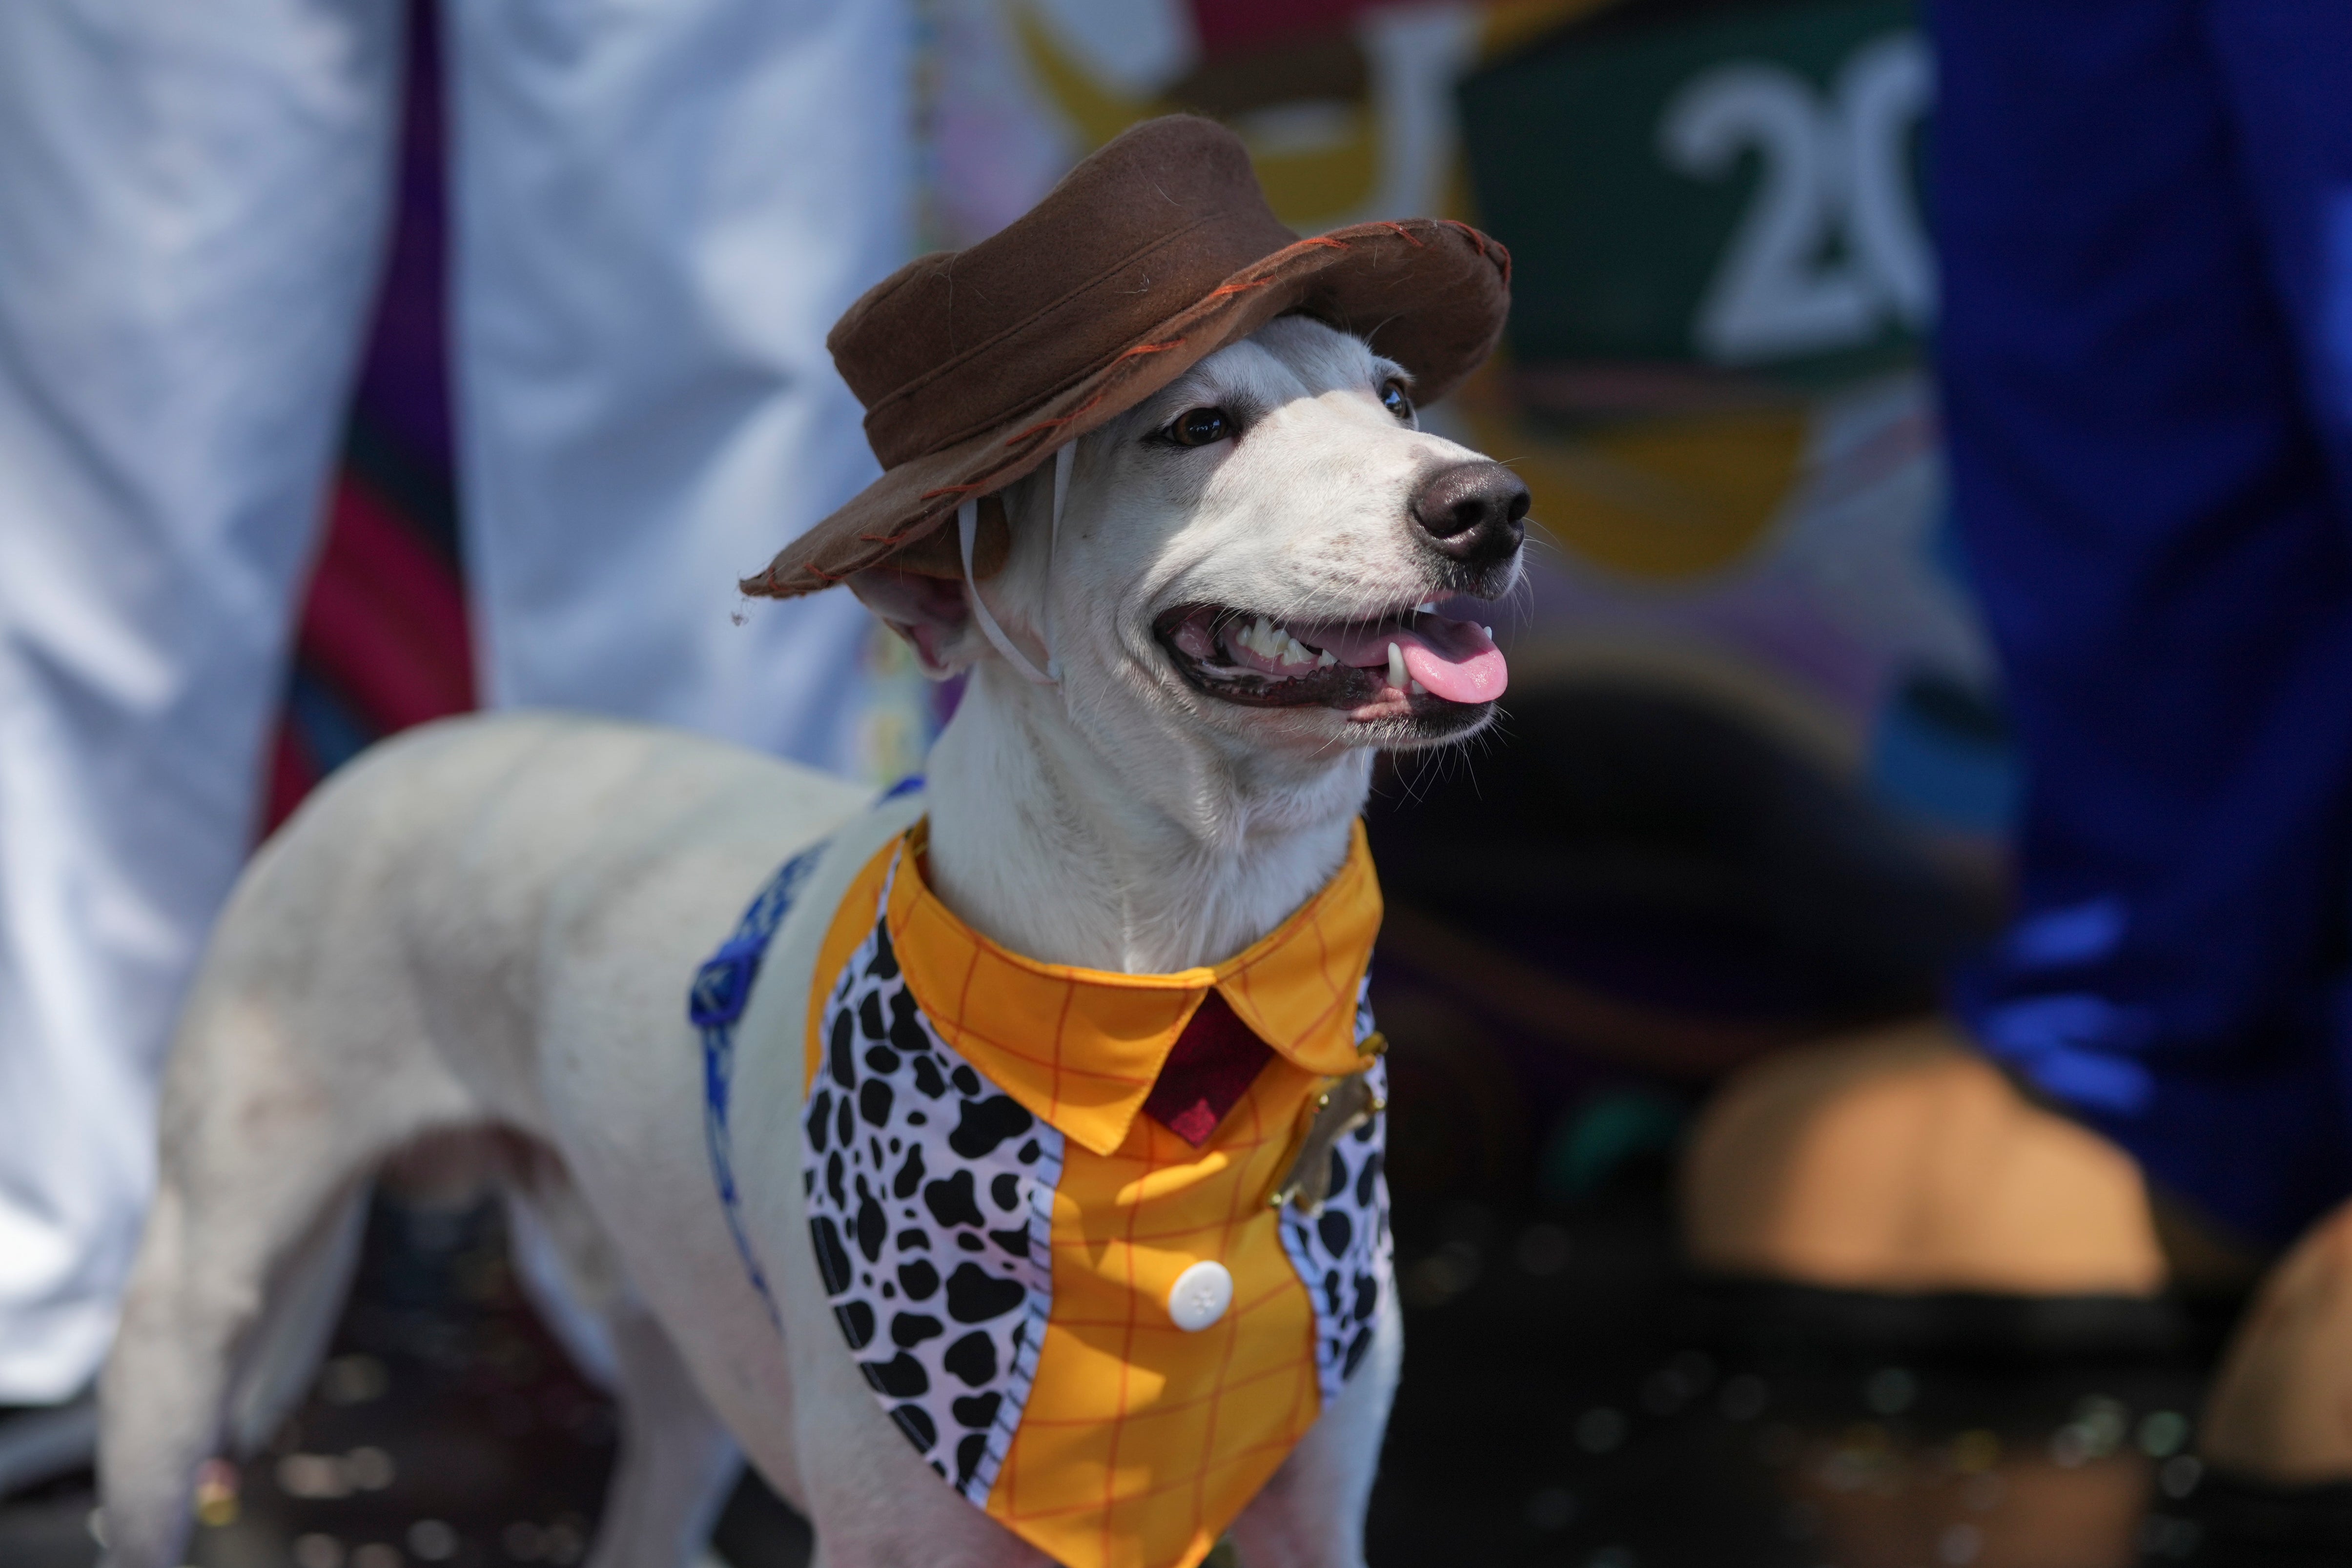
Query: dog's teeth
1396	666
1426	607
1269	639
1324	659
1416	688
1489	631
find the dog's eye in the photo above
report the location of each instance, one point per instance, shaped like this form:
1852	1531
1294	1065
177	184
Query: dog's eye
1394	399
1200	427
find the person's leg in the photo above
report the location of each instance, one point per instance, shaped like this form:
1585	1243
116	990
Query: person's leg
2281	1411
2281	1408
1903	1160
2163	563
2166	569
661	209
191	199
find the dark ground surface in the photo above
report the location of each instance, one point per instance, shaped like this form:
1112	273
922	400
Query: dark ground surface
1568	1399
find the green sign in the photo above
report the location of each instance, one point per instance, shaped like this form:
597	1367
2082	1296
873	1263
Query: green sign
1728	186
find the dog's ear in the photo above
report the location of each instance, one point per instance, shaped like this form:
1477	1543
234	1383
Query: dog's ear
928	612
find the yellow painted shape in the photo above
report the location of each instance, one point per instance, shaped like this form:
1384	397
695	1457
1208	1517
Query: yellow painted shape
1666	499
1509	23
1096	111
1308	190
1312	190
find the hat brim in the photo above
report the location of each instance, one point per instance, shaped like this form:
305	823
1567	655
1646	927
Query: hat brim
1430	294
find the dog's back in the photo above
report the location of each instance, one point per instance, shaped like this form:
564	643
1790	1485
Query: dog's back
386	973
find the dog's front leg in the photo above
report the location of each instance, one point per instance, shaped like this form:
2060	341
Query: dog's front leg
676	1461
872	1500
1310	1513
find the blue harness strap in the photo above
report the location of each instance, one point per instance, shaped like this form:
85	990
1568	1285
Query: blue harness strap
722	987
714	1005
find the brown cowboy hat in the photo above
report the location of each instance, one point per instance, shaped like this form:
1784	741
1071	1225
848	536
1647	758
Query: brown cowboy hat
974	365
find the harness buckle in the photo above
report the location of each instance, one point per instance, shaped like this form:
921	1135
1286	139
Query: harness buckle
721	989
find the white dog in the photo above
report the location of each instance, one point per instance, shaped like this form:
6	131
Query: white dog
475	943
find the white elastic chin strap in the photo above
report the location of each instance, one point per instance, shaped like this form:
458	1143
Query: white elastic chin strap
968	531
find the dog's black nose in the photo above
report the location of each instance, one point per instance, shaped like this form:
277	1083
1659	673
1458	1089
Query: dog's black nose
1474	512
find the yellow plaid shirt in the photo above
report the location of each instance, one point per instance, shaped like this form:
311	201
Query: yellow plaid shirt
1140	1442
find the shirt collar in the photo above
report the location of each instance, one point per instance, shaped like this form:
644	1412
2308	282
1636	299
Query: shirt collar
1080	1049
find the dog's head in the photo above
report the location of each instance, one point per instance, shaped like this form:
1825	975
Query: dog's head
1248	558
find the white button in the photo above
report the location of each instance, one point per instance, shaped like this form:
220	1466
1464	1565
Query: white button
1200	1296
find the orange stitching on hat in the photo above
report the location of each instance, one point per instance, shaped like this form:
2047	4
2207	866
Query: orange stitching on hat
1475	238
1019	435
1326	239
1100	393
1236	287
1403	232
946	490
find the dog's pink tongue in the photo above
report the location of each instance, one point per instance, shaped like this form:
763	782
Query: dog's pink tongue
1455	659
1475	676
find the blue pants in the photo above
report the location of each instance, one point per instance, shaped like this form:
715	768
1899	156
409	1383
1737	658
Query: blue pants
2144	213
